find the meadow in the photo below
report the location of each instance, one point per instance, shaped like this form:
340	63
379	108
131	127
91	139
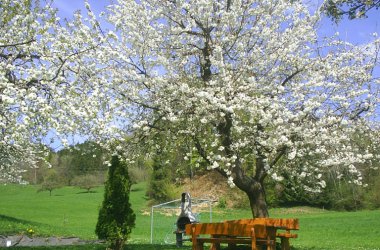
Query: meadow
72	212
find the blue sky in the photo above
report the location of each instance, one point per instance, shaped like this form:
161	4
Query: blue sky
355	31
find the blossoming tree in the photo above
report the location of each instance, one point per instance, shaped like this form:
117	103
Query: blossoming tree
248	82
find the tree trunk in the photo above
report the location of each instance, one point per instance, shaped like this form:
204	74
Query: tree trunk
255	192
118	244
257	201
251	185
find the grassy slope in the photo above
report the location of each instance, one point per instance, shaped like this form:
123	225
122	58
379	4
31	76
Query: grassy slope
67	212
70	212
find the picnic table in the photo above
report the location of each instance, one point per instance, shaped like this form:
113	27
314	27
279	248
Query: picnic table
255	232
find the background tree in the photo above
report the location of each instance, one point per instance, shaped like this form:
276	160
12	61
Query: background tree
170	163
62	162
140	170
88	157
82	159
87	182
337	9
159	189
51	181
116	217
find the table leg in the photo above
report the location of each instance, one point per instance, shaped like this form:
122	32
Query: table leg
285	243
215	246
271	243
200	246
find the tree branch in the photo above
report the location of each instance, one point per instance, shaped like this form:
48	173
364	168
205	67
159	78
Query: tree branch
287	79
201	150
17	44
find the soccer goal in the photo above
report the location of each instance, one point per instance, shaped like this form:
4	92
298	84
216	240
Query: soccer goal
164	216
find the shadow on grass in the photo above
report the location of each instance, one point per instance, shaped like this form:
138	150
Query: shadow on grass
88	192
4	218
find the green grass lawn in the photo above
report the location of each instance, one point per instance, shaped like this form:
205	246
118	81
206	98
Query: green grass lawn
71	212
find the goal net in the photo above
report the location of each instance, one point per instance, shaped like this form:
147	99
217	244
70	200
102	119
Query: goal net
164	216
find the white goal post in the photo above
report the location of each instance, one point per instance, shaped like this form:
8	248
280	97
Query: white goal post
197	204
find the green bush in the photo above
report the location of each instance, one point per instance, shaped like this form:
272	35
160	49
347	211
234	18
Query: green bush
347	197
116	217
162	191
372	196
222	202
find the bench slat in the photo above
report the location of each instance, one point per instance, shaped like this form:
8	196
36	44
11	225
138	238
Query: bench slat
288	224
244	230
286	235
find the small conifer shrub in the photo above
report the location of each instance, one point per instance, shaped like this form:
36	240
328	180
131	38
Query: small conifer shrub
116	217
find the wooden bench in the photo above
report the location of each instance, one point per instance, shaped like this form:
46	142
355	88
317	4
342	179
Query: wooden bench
230	233
282	226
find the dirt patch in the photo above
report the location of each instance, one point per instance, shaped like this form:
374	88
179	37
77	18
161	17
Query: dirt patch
213	186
